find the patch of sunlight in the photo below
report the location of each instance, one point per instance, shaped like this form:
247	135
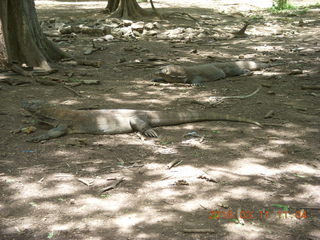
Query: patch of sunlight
189	206
248	192
185	171
247	231
249	166
147	236
268	48
300	168
126	222
70	102
264	152
166	150
146	102
310	193
280	142
112	203
47	206
62	153
284	133
235	145
88	4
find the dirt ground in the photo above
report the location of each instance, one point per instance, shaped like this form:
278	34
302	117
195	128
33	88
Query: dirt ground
53	189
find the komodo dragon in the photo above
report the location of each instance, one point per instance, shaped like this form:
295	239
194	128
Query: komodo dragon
113	121
197	74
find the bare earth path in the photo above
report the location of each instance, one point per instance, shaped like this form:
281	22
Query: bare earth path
52	190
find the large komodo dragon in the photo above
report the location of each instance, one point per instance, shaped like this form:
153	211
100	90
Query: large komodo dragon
113	121
197	74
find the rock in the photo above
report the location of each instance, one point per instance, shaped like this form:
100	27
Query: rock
138	26
126	31
52	20
149	26
157	25
108	37
296	72
127	23
91	82
98	40
202	35
88	51
59	25
66	30
151	33
163	36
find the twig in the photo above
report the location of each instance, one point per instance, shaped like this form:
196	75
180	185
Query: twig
84	182
174	163
112	186
72	90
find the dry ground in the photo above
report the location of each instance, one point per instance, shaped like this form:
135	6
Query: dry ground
52	189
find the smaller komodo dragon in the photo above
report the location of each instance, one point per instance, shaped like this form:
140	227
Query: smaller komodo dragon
113	121
200	73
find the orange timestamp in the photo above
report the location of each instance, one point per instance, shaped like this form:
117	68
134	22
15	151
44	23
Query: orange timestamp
259	214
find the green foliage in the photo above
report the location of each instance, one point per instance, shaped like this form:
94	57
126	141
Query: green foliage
139	1
279	5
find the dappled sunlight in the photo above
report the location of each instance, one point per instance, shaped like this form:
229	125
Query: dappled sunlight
267	153
129	186
240	193
252	166
246	231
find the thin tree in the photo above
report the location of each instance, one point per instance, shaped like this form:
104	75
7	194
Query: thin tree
21	38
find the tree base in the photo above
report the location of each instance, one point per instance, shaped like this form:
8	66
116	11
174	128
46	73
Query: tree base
130	9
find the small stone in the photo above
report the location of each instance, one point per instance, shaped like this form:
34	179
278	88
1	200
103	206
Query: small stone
157	25
271	93
108	37
138	26
149	26
296	72
127	23
66	30
91	82
88	51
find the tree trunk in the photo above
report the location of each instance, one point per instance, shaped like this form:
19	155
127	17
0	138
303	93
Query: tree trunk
112	5
128	9
21	38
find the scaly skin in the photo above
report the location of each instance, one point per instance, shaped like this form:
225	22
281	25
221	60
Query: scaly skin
114	121
200	73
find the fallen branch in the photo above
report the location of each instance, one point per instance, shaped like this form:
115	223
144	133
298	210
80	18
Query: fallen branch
112	186
72	90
